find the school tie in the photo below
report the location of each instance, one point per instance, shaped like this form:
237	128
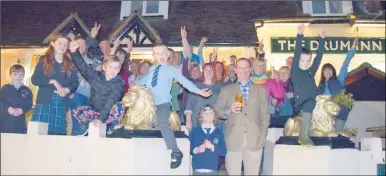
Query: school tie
207	132
155	76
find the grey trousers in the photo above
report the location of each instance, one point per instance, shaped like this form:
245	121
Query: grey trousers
339	125
162	116
207	173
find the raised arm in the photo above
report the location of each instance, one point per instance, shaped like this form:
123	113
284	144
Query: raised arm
319	54
91	39
87	72
200	49
184	35
343	71
184	81
298	50
261	49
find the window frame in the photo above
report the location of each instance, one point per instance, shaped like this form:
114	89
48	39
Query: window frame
163	9
347	8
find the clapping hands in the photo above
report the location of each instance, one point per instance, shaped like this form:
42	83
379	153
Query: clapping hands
15	111
206	145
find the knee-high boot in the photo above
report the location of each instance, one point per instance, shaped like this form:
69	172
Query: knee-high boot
304	138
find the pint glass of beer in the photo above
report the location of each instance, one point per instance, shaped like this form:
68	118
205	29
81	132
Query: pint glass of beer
240	99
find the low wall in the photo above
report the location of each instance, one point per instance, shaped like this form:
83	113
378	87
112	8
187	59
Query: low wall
322	160
93	155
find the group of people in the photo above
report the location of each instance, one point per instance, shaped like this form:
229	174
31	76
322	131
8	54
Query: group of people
90	79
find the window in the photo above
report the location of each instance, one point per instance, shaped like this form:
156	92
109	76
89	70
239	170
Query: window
151	7
327	8
145	8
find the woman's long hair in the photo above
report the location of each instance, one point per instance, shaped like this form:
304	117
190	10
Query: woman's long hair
222	74
213	70
322	77
49	59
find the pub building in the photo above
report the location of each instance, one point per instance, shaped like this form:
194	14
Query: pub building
341	27
27	26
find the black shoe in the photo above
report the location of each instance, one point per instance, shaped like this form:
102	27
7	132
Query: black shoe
176	159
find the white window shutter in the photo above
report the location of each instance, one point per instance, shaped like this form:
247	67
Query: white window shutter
347	7
125	9
307	7
164	8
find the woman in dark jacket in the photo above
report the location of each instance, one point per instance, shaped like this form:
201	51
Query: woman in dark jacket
331	84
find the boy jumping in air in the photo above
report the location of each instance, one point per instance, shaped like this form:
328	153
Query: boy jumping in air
303	79
160	82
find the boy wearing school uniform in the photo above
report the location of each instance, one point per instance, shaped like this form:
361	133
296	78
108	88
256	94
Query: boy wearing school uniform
160	81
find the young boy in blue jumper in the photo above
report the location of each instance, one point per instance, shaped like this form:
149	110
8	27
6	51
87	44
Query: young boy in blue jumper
159	82
207	143
303	79
16	100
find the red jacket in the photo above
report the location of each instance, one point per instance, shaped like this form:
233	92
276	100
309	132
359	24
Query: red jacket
125	77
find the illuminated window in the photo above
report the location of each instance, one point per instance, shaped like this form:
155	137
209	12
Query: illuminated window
327	8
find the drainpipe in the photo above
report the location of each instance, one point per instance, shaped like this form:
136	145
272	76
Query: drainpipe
257	37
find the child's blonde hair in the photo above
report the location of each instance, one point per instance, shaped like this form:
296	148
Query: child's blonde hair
110	59
215	119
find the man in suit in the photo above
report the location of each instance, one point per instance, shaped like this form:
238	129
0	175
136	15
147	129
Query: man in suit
247	123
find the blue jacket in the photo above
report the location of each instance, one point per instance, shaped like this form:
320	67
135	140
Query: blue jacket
208	159
334	86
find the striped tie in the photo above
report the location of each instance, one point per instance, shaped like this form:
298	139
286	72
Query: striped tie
155	76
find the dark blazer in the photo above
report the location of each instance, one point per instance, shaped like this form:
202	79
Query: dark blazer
104	94
46	90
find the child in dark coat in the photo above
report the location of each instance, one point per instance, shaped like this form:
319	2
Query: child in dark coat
207	143
16	100
107	89
303	79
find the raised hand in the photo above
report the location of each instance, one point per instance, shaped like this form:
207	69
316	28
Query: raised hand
184	34
203	40
95	30
73	46
301	28
205	92
130	45
115	47
355	44
322	33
